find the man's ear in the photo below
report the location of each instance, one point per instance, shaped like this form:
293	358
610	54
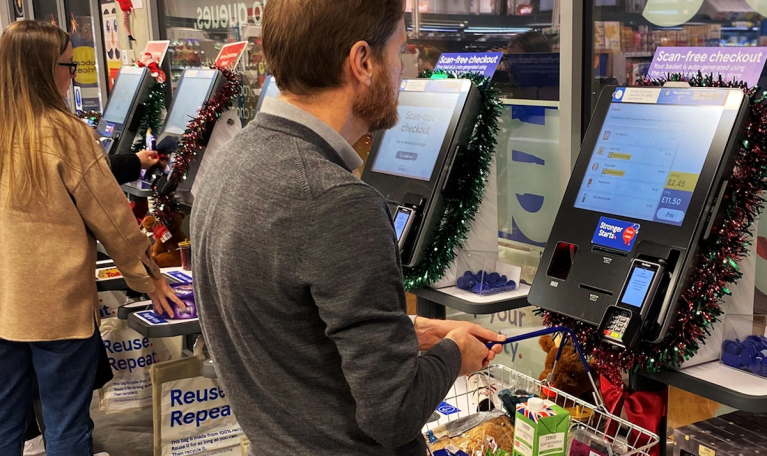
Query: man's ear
361	63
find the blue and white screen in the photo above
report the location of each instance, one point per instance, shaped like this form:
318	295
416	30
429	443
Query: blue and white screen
638	285
123	94
648	159
191	94
411	148
399	223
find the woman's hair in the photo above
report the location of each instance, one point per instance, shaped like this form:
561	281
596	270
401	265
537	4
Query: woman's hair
31	107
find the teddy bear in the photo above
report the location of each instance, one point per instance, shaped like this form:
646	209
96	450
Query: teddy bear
570	376
166	254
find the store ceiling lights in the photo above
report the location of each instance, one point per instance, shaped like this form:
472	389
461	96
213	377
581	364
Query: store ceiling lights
670	13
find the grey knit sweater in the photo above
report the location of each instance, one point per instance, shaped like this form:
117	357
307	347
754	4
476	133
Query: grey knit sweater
299	286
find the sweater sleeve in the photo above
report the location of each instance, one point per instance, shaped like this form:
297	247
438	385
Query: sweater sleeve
125	167
106	213
352	265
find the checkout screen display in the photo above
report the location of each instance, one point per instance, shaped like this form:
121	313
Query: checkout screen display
638	286
649	156
191	94
123	94
412	147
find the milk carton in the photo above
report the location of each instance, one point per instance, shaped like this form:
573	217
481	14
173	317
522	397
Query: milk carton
540	429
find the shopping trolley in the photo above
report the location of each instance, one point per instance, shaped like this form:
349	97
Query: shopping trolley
470	395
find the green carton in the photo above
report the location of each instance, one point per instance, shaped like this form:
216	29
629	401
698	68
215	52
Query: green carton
540	429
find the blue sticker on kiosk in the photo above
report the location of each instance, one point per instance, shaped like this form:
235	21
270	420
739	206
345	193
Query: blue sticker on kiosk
616	234
152	317
180	276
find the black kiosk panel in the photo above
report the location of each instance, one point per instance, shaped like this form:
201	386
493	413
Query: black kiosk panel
119	124
645	191
196	87
411	163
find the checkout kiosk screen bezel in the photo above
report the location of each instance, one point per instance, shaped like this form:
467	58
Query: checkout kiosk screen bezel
411	88
173	124
674	234
116	120
269	89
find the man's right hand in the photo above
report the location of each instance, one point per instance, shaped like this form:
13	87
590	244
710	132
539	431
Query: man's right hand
474	354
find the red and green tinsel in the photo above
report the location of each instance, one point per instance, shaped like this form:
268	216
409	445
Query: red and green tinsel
717	266
165	205
152	118
463	201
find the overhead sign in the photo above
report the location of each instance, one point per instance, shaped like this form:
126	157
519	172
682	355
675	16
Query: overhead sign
483	63
733	64
230	54
158	49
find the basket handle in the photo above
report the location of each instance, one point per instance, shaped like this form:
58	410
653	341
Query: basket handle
569	332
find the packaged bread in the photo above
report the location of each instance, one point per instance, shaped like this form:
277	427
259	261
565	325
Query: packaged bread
495	433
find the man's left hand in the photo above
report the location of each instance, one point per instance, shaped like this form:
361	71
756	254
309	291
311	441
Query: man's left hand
430	332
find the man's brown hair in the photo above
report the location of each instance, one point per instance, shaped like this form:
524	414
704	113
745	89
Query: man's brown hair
307	42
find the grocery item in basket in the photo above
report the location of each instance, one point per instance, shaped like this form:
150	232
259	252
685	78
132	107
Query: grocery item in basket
511	399
494	433
583	442
540	429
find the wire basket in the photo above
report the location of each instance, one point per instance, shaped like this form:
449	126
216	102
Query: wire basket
479	392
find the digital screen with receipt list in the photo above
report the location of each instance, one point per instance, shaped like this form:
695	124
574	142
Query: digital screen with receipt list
412	147
648	157
400	221
637	287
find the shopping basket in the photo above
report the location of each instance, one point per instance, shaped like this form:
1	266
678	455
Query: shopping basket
471	394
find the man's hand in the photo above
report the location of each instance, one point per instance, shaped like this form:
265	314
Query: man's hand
474	354
430	332
148	158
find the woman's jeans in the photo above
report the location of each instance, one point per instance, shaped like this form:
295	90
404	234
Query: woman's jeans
66	371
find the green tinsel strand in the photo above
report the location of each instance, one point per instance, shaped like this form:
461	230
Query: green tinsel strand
152	118
463	201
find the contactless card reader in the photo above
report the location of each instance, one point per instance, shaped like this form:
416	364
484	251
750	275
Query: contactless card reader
645	195
411	163
120	123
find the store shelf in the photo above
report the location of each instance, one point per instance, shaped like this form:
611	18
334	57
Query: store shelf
521	102
470	303
719	383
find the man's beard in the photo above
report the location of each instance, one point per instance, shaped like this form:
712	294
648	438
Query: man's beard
378	107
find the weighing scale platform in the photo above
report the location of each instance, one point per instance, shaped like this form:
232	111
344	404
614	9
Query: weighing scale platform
432	302
148	324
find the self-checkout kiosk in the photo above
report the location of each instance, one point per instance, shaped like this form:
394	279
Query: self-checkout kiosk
411	164
122	115
648	190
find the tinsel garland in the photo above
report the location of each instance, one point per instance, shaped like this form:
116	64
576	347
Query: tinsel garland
152	118
717	268
465	196
93	116
165	205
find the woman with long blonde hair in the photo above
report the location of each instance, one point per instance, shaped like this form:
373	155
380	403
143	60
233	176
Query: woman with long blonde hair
57	198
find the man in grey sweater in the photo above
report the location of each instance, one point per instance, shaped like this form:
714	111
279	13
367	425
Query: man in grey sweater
296	265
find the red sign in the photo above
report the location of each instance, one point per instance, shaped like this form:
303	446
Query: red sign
158	49
230	54
628	235
525	10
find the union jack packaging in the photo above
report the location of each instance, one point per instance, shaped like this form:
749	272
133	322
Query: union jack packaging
540	429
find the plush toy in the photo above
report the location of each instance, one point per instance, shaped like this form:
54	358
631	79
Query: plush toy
148	60
165	249
127	6
570	376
